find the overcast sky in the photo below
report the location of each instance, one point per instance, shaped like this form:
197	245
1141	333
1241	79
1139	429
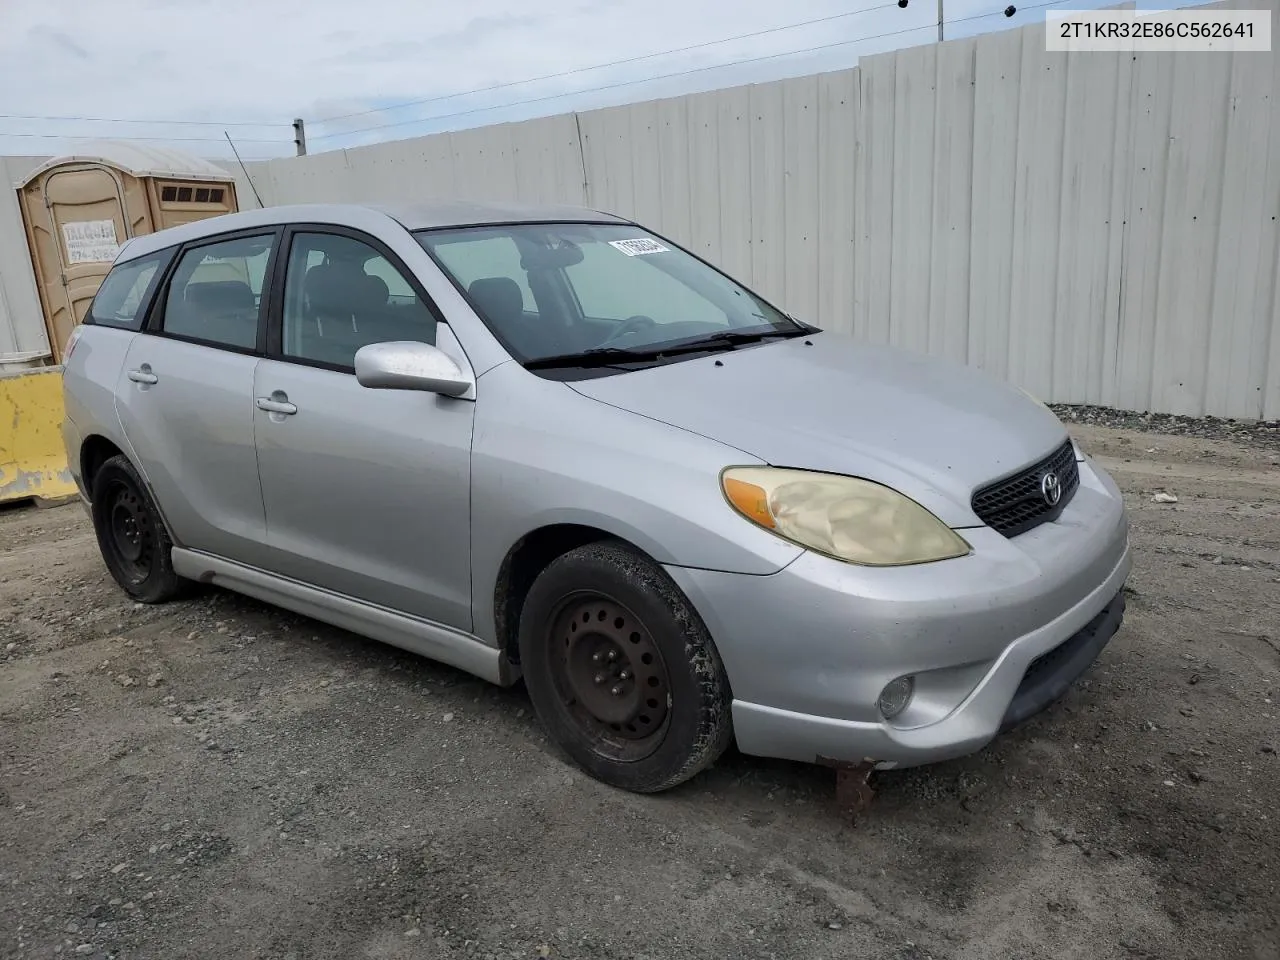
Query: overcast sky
263	62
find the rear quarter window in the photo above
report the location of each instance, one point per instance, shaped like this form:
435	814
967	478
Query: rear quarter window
121	300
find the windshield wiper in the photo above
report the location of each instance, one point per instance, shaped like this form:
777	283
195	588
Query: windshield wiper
594	357
735	338
611	356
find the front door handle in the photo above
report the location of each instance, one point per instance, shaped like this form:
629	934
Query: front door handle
275	406
143	375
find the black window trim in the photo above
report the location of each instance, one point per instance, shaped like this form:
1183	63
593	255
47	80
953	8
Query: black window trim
273	348
154	324
139	321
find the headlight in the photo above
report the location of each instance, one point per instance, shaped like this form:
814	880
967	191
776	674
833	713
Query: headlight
843	517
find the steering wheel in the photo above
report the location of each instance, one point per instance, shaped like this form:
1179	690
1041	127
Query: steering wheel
630	325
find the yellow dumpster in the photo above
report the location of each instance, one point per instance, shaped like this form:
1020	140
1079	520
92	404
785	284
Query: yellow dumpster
33	462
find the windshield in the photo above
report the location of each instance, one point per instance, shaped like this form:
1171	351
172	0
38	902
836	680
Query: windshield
557	290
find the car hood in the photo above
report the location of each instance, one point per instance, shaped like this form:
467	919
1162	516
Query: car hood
932	429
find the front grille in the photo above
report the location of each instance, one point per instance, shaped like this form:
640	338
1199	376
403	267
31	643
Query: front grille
1016	504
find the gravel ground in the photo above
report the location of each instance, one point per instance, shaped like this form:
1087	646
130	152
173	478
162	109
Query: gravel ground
1261	433
216	778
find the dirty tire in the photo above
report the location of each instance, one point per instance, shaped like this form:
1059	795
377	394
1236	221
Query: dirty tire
594	608
131	536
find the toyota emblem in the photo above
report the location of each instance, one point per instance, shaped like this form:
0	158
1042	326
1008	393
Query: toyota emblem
1051	488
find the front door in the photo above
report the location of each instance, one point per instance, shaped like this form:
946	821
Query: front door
185	397
367	492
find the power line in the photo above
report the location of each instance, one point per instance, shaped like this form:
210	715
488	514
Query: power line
680	73
530	100
614	86
65	136
193	123
1001	13
602	66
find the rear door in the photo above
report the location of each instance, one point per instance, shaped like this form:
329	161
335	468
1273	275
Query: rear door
91	373
185	394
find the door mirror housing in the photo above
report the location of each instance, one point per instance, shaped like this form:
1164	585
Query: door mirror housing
410	365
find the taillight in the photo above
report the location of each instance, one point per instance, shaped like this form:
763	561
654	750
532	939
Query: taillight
71	342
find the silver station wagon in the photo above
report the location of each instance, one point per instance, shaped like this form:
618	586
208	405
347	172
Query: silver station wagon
547	443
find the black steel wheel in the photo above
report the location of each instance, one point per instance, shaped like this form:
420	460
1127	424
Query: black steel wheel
609	673
621	670
131	536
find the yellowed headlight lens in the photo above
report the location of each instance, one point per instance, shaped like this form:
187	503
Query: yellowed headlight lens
854	520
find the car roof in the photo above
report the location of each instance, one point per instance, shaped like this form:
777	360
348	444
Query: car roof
421	215
465	213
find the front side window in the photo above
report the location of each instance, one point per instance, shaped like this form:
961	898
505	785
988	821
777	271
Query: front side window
549	290
216	291
121	299
340	294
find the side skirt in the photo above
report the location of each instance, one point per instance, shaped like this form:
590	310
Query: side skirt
423	637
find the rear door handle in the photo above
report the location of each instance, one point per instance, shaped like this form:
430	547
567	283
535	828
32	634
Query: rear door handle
143	376
275	406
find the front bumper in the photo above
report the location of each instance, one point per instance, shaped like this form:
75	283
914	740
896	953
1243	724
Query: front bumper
809	649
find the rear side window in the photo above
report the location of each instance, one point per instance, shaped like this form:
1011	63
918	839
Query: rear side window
216	291
122	298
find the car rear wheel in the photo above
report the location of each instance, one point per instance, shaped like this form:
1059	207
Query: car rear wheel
621	669
131	535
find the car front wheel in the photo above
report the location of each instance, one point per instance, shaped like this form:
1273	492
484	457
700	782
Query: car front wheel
621	670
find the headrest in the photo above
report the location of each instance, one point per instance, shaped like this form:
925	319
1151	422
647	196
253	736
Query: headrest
498	298
220	295
337	288
314	281
377	293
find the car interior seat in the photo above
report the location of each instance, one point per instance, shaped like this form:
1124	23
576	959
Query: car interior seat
221	310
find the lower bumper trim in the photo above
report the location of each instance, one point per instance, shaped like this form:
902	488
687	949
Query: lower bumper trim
1051	674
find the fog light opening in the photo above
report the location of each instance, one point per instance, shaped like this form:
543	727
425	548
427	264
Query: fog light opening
895	696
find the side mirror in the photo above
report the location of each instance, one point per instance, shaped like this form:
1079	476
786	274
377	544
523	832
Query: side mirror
410	365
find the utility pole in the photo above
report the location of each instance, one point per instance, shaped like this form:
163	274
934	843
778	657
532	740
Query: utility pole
1008	11
300	130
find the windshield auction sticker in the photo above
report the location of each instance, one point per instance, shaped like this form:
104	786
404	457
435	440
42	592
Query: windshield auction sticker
638	248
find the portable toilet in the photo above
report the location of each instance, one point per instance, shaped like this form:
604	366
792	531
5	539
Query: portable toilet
78	209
